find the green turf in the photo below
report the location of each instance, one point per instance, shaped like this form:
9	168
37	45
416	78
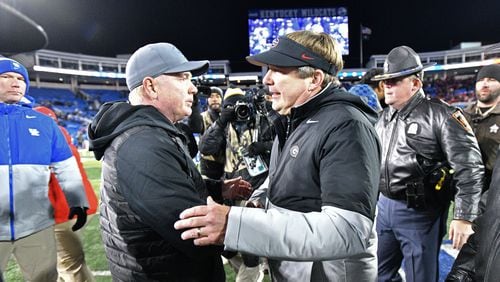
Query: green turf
94	252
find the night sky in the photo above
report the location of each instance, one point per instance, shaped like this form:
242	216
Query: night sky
217	30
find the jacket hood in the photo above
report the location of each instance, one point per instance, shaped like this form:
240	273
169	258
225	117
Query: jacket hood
335	94
116	117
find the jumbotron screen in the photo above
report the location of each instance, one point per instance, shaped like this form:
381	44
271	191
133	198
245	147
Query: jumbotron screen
266	25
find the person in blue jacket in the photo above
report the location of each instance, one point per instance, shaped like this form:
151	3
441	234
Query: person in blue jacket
31	146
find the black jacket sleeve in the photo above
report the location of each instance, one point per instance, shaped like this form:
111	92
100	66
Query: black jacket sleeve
213	140
479	258
462	153
488	257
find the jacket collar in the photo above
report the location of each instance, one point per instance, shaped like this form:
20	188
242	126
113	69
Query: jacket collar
473	110
303	110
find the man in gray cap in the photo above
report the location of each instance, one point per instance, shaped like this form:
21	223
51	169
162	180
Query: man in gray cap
429	157
148	178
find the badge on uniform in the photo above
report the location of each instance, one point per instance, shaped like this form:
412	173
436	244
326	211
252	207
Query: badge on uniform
412	129
494	129
460	118
294	151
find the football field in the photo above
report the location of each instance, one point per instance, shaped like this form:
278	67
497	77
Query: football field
94	252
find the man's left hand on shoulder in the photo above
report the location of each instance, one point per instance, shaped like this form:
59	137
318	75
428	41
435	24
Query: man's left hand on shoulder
205	224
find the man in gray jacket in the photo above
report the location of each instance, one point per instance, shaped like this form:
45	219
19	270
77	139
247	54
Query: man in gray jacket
317	224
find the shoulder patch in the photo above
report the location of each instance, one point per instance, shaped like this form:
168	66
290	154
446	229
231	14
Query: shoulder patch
460	118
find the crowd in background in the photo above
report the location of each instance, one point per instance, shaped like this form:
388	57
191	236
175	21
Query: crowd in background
302	168
459	92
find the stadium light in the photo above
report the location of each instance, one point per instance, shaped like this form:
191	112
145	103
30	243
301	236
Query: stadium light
464	65
101	74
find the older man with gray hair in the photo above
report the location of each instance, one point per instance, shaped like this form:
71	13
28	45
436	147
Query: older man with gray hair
148	177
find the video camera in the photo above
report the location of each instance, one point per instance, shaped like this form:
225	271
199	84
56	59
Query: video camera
203	90
254	103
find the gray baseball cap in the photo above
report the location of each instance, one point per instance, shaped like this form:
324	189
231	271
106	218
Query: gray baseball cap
159	58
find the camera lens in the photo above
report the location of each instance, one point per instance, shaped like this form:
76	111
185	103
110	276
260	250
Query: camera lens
242	111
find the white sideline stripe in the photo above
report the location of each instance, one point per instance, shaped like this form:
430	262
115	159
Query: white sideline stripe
448	248
101	273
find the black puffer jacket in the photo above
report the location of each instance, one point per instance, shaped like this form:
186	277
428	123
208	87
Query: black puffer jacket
479	259
147	180
421	135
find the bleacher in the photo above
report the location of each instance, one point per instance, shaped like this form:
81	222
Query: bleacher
57	97
104	95
73	112
451	80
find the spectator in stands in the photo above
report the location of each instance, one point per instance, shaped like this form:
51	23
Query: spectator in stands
422	141
148	176
321	197
32	147
484	115
71	264
375	85
449	88
212	166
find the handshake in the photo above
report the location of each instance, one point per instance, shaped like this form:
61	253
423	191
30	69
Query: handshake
236	189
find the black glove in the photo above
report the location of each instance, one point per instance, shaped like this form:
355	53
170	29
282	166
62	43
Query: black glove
81	217
258	148
227	115
229	254
250	260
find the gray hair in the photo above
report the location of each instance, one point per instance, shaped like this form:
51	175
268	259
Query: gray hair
135	96
308	71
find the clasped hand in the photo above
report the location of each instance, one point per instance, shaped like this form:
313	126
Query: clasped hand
236	189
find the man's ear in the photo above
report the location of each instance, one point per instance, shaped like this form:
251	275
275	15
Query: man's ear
416	85
149	88
317	79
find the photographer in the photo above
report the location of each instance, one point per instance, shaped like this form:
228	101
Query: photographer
212	166
244	133
237	133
